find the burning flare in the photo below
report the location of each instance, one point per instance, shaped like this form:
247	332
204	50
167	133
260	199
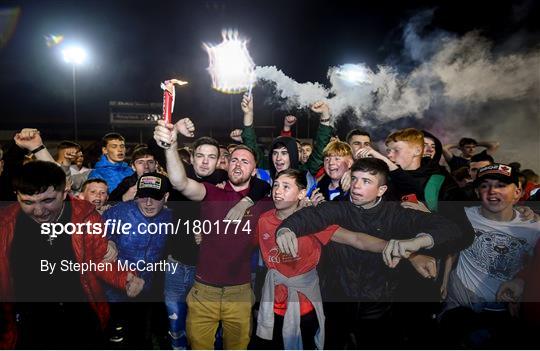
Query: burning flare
231	66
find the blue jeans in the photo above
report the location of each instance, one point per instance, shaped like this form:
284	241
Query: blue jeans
177	286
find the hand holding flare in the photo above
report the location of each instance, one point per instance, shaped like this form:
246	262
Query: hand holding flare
168	98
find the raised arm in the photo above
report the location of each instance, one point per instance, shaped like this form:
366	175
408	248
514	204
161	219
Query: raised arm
167	133
491	146
446	235
236	135
288	122
30	140
447	151
322	137
248	133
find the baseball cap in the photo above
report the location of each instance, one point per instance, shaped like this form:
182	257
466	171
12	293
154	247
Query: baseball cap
152	185
499	171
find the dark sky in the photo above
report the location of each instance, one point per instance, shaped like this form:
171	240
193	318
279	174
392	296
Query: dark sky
134	45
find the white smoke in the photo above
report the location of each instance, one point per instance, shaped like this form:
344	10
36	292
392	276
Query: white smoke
296	94
465	84
463	71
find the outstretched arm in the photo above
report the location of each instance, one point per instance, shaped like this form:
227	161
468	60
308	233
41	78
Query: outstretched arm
361	241
306	221
166	133
426	266
398	249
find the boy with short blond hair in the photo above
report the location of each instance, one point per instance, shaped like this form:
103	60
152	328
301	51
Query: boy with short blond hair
338	159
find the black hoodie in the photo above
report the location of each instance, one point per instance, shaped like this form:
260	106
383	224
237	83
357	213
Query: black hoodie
292	149
438	149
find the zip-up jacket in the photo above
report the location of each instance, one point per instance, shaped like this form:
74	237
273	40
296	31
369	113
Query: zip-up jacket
350	273
86	248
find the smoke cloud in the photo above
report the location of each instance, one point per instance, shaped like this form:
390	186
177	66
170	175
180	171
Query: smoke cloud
295	94
459	86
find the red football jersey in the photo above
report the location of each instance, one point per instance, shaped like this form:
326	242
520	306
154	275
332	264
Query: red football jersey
309	252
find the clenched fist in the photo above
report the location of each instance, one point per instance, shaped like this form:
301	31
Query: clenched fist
185	127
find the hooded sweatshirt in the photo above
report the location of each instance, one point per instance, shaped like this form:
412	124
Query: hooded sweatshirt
290	145
438	150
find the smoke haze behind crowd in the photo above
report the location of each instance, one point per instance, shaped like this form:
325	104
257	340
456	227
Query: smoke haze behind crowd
459	86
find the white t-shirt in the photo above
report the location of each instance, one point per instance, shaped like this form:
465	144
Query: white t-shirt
497	254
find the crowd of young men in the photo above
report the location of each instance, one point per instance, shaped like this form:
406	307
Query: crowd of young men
333	244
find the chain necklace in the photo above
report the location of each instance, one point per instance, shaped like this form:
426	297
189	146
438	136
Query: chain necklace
51	237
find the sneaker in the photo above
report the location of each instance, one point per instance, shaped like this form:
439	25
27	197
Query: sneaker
116	338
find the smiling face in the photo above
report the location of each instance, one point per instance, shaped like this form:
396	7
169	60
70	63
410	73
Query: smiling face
286	193
429	147
241	167
497	197
205	159
96	193
365	188
44	207
115	151
336	166
281	159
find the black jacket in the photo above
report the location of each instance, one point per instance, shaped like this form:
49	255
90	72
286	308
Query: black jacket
348	273
123	187
324	185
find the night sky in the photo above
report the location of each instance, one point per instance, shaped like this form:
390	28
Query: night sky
134	45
